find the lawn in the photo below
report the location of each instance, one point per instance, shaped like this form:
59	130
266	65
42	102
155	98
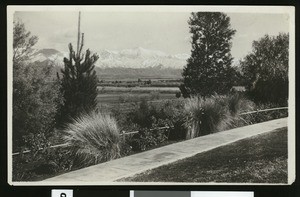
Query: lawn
259	159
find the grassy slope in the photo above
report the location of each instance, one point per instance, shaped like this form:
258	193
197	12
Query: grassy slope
260	159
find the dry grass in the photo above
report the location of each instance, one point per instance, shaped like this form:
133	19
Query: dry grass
205	115
94	138
213	114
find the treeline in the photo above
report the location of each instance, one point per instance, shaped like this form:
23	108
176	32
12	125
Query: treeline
264	71
42	103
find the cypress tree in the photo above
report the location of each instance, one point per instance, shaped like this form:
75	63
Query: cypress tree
208	70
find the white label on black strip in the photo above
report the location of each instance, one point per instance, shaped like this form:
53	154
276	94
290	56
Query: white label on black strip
62	193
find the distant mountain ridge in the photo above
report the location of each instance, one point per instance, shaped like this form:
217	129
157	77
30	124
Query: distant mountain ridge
140	58
124	64
127	58
48	55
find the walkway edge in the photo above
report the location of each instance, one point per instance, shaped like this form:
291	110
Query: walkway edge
108	172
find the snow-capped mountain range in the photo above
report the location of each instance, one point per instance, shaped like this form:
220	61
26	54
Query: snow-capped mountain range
47	55
126	58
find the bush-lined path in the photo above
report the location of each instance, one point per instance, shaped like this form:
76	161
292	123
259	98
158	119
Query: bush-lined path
110	171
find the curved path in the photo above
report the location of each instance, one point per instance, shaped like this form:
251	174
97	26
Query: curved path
108	172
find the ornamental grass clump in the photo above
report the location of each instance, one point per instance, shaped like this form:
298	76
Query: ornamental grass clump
238	104
207	115
93	138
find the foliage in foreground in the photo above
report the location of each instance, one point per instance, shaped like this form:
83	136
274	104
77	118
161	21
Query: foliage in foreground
35	104
264	116
94	138
36	96
39	165
148	118
52	162
207	115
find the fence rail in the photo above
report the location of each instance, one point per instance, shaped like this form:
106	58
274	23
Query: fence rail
66	144
159	128
263	110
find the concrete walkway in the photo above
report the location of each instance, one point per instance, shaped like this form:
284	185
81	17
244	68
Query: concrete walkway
108	172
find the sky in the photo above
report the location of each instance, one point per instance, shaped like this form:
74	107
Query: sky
164	31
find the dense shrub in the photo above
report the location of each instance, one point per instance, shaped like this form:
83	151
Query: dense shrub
148	118
265	69
147	138
273	90
212	114
94	138
171	112
141	115
36	98
153	115
264	116
36	166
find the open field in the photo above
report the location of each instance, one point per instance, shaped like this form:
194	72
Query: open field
109	102
131	79
111	89
259	159
118	97
108	97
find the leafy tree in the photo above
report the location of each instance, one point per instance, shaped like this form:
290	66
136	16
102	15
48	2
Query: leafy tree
265	69
22	43
79	84
35	95
208	70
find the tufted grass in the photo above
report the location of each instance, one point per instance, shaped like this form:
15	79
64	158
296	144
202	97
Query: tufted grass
93	138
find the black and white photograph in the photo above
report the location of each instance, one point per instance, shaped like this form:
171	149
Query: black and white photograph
151	95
